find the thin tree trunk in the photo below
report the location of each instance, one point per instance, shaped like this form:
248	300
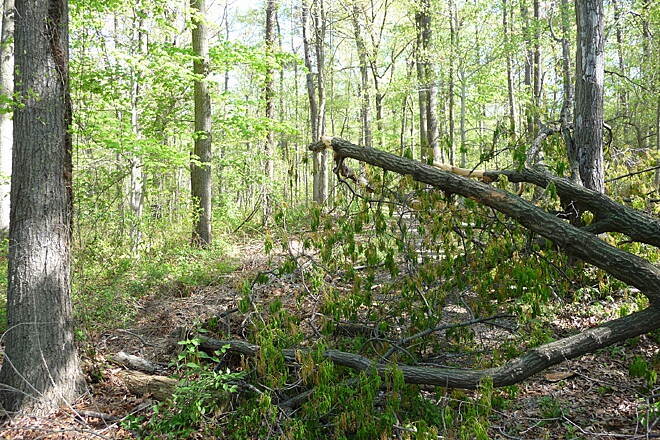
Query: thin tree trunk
623	101
41	368
463	98
6	124
509	69
319	31
538	68
269	95
137	180
319	158
566	115
422	90
589	93
200	170
529	62
452	51
365	98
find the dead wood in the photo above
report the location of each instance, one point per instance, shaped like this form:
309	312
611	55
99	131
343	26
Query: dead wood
514	371
136	363
160	387
581	243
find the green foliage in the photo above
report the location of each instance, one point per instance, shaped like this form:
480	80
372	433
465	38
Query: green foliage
202	394
639	367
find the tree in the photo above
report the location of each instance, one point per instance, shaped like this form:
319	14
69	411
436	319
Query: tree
6	89
316	90
200	169
429	134
365	97
589	76
269	95
40	368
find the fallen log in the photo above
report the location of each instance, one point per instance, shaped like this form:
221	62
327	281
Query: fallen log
579	242
514	371
136	363
138	383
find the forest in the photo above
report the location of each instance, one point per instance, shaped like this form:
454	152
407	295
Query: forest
343	219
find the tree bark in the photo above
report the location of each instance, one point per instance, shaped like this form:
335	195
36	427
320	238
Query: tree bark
40	369
200	170
453	25
589	76
136	181
6	124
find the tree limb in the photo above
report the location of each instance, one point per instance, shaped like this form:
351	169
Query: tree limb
514	371
624	266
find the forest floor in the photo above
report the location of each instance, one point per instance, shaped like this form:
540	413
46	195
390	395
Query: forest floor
592	397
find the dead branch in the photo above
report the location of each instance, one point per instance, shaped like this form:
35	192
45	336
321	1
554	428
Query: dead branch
610	216
514	371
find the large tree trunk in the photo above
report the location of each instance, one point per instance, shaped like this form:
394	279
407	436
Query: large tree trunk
589	75
40	368
6	128
579	242
200	172
512	372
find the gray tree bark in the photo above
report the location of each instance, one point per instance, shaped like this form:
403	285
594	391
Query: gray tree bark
6	124
40	369
200	172
589	75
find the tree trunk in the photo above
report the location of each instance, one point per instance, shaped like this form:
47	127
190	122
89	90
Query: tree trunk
589	74
623	99
566	115
200	172
41	369
320	174
509	70
453	24
365	100
529	67
6	124
269	97
538	69
319	31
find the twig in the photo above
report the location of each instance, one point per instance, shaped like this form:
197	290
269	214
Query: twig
428	331
634	173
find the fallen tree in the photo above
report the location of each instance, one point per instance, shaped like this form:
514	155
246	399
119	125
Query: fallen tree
514	371
580	242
